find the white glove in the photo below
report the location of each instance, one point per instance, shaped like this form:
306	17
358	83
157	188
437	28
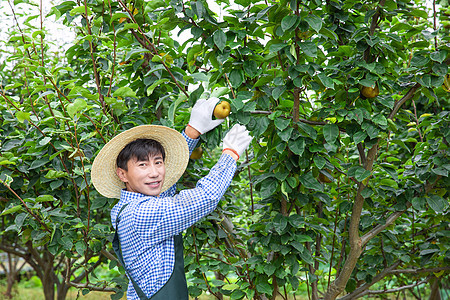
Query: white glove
237	139
201	115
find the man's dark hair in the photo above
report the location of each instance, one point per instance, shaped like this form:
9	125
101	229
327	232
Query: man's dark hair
140	149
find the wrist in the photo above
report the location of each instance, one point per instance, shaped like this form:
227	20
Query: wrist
232	153
192	132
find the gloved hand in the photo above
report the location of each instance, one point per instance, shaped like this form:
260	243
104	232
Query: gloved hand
237	139
201	115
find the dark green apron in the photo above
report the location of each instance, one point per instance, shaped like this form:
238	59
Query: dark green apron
176	287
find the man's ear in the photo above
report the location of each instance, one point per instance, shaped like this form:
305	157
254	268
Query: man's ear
122	174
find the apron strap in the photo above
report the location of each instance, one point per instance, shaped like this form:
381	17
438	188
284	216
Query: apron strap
175	287
118	250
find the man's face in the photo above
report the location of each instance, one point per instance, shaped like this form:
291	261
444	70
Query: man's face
145	177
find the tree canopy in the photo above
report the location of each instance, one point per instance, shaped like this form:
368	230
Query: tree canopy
343	192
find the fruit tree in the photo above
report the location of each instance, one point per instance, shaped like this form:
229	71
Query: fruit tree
343	192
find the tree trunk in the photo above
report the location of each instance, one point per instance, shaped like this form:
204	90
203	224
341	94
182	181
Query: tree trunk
11	272
48	283
62	291
219	277
435	294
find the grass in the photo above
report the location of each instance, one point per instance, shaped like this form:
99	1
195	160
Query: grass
30	290
21	292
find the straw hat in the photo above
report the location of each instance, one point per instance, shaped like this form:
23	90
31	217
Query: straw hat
103	171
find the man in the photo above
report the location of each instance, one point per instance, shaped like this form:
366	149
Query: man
140	167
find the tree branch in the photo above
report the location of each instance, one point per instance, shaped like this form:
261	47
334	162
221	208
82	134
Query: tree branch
394	290
109	255
379	228
90	287
415	271
373	26
26	207
362	289
405	98
362	155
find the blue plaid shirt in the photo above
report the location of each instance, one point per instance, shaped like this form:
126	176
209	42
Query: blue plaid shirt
147	225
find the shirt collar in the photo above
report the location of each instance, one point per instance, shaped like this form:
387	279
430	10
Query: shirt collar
127	197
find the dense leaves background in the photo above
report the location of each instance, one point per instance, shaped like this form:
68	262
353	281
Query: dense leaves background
339	194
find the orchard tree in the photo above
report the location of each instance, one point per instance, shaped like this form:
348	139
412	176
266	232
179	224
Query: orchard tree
344	192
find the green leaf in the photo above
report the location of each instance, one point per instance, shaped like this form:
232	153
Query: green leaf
268	187
281	123
440	69
326	80
230	286
428	251
388	182
119	15
22	116
285	135
309	48
157	83
380	120
250	68
263	81
237	294
361	174
330	133
80	10
319	161
310	182
297	146
419	60
220	39
11	210
264	288
277	47
278	91
367	82
315	22
440	171
38	163
236	78
303	238
66	242
45	141
310	131
419	13
438	56
192	54
288	22
390	5
367	192
76	106
12	86
173	107
437	203
306	257
135	51
329	34
418	203
279	223
45	198
124	91
387	101
269	269
359	137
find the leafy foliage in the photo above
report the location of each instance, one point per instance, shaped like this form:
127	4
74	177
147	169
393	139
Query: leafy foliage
340	191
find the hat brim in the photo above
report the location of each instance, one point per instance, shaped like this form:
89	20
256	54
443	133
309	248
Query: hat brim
103	173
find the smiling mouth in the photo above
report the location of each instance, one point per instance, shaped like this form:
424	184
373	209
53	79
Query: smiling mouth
153	184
